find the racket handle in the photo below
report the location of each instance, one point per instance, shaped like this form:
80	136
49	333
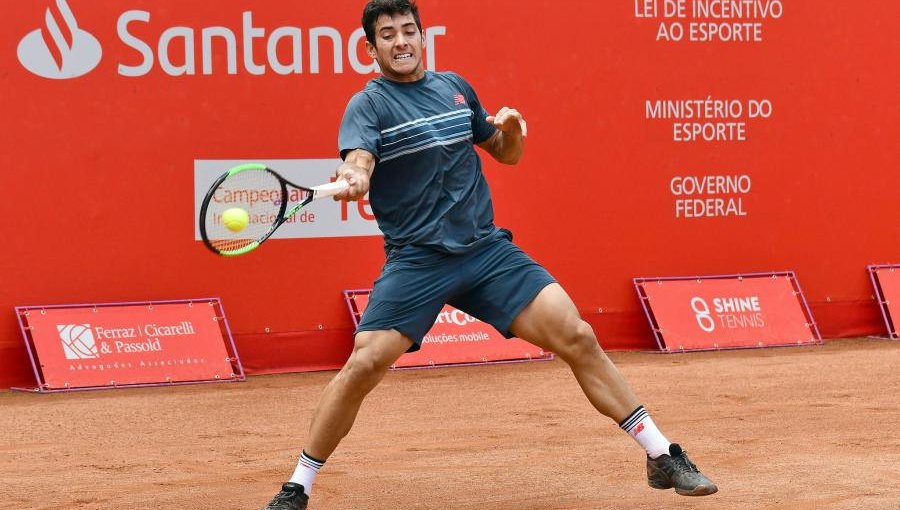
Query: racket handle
330	189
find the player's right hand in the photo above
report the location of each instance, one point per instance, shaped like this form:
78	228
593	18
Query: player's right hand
356	170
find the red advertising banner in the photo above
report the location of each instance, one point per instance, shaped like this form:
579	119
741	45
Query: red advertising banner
705	125
93	346
886	280
726	312
456	338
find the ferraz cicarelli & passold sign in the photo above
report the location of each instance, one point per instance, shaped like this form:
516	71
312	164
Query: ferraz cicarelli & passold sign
91	346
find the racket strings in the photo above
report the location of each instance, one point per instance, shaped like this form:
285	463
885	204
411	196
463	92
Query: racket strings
259	194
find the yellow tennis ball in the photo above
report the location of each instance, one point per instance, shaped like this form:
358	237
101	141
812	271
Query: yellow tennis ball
235	219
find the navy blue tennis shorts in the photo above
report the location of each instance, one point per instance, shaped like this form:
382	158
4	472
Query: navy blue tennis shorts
494	282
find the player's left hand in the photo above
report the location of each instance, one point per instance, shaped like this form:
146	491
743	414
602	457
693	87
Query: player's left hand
510	121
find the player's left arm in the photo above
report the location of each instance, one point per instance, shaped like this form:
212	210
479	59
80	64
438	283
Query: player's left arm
507	144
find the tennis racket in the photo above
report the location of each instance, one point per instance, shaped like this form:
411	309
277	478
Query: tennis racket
248	203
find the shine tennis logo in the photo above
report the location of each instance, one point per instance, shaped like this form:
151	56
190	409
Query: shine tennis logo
59	51
728	312
701	313
78	341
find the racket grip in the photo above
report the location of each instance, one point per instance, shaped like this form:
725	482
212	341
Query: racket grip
330	189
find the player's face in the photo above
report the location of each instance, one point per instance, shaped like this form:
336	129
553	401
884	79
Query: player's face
398	47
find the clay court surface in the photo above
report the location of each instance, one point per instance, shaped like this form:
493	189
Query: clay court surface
796	428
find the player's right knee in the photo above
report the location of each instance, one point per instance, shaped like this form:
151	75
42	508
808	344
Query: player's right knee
367	365
362	371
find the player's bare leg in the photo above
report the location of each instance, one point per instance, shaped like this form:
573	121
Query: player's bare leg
552	322
373	353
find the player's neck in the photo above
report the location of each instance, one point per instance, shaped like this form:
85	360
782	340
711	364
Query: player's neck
418	75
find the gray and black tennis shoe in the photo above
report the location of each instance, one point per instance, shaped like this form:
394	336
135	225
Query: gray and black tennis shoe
676	470
291	497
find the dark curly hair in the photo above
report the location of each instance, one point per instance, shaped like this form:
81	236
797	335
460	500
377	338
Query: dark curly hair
375	8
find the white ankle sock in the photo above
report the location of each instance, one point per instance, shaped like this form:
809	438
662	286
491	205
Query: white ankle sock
307	469
640	426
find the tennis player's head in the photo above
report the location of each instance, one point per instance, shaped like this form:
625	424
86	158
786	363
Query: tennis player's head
394	38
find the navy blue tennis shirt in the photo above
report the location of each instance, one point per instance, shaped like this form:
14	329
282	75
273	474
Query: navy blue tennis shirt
427	188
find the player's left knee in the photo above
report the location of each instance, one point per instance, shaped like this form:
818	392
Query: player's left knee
579	342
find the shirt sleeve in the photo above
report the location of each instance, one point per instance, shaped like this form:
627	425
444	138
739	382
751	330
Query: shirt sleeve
481	128
360	127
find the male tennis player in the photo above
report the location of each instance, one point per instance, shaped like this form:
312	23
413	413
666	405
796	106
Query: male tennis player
407	138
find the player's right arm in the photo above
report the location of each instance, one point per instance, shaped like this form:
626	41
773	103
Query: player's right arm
357	170
359	142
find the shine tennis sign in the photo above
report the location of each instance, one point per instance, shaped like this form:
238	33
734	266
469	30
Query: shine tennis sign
727	311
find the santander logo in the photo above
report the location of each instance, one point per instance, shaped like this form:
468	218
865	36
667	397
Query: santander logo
59	50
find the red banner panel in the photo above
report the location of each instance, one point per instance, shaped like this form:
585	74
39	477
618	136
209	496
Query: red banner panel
726	312
456	338
93	346
702	115
886	280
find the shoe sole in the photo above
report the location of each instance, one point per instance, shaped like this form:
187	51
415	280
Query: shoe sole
700	490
